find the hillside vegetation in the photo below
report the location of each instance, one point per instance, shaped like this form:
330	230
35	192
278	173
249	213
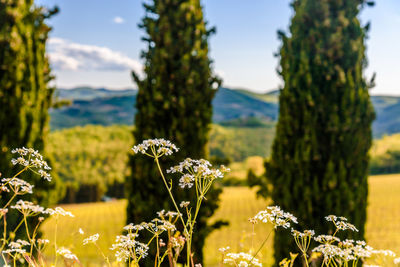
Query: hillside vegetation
231	107
91	160
385	155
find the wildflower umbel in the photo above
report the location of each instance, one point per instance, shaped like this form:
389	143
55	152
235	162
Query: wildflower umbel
91	239
276	216
341	223
33	160
241	259
66	253
194	170
158	147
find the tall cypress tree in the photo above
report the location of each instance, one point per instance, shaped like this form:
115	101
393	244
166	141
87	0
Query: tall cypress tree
319	161
173	102
25	95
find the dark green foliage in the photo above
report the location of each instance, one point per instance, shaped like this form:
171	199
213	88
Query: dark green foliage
387	163
173	102
319	161
24	92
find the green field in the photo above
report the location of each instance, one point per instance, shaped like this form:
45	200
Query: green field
237	205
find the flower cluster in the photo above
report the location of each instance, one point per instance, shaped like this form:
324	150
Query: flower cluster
126	247
66	253
32	159
158	147
58	211
157	226
276	216
305	233
193	170
16	247
241	259
341	223
28	208
91	239
347	250
18	186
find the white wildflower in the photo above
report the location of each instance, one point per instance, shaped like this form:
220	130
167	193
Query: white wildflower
274	215
305	233
66	253
326	239
184	204
158	147
18	186
127	247
186	181
239	259
329	251
80	231
385	252
33	160
58	211
28	208
91	239
341	223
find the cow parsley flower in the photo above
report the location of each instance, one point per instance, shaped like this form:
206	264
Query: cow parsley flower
28	208
32	159
275	216
66	253
58	211
197	172
186	181
241	259
326	239
126	247
91	239
341	223
184	204
18	186
158	147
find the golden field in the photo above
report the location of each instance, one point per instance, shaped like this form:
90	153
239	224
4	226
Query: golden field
237	205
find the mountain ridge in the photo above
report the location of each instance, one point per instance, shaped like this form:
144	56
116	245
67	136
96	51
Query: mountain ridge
104	106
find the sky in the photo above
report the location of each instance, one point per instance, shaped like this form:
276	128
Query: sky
97	42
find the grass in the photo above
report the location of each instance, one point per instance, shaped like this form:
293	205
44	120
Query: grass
238	204
239	169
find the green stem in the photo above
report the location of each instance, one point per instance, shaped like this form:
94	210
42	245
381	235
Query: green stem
176	207
55	243
259	249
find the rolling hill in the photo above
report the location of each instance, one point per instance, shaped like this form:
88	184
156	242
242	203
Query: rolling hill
231	108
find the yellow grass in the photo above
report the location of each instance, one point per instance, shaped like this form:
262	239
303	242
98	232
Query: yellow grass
237	205
239	169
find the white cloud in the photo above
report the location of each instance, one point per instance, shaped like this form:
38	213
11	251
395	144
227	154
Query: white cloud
66	55
118	20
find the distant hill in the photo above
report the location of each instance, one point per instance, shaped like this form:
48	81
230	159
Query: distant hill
107	107
237	108
88	93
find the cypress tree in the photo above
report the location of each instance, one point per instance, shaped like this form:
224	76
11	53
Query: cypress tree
319	161
25	95
173	102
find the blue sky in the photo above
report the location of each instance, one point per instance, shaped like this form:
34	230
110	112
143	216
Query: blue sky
97	42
